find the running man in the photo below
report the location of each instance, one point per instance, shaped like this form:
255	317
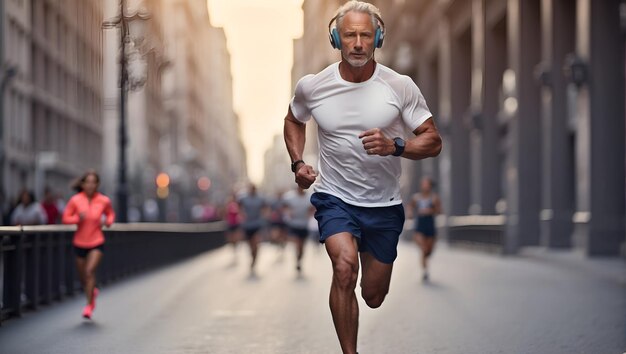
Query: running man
362	110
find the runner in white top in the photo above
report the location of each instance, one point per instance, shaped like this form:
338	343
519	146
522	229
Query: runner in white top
362	109
297	218
342	110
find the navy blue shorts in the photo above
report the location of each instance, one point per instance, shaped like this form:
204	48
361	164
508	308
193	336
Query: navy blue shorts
299	232
280	225
250	233
377	229
426	226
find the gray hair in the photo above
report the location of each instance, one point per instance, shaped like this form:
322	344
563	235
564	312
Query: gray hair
358	6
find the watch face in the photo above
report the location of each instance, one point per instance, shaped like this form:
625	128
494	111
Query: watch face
399	144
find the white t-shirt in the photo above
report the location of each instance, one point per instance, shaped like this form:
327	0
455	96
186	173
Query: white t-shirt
342	110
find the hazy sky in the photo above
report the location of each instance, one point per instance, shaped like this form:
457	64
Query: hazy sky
260	37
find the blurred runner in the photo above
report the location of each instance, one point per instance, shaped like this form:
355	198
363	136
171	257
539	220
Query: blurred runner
86	209
426	205
253	208
297	216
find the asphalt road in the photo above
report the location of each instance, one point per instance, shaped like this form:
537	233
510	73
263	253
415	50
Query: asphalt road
475	303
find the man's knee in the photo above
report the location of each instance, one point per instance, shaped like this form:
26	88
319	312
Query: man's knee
345	274
373	299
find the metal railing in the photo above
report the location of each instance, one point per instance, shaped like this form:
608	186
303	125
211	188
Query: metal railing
37	263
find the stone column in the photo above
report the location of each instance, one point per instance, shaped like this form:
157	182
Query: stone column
487	63
475	114
428	82
522	165
459	146
495	63
557	26
445	157
600	208
3	194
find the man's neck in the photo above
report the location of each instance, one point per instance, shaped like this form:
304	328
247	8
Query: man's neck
356	74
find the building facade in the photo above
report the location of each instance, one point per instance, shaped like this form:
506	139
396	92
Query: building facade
225	154
145	113
59	111
180	115
52	112
198	99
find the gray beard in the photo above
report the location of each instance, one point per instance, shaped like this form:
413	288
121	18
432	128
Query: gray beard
358	64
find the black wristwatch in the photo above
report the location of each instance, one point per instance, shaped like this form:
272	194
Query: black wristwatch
399	144
295	164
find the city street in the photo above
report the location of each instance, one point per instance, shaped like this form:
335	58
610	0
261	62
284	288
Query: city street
475	303
183	118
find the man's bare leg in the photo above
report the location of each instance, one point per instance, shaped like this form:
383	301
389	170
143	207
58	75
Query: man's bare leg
254	249
375	280
299	252
342	250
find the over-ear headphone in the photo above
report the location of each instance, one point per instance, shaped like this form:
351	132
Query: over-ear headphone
379	36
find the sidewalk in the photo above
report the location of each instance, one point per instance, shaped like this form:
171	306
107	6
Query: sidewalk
540	301
609	268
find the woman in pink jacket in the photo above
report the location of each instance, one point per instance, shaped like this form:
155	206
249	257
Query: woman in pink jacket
86	209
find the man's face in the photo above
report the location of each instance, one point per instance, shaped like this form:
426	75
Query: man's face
357	38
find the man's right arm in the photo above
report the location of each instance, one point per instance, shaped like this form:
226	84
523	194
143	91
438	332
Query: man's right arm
295	136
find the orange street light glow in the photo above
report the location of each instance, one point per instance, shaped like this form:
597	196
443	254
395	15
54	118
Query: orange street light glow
162	180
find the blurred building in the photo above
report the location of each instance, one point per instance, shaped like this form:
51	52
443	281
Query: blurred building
52	114
180	118
277	169
529	98
313	52
198	96
225	151
146	118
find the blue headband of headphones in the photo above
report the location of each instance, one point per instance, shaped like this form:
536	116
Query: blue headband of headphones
379	36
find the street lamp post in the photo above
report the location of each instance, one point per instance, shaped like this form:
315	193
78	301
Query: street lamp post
122	22
122	186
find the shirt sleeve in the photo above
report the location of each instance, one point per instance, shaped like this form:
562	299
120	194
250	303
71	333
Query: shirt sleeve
414	110
110	214
69	213
298	105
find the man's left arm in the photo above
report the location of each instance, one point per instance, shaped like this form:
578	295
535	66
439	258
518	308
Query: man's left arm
426	143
